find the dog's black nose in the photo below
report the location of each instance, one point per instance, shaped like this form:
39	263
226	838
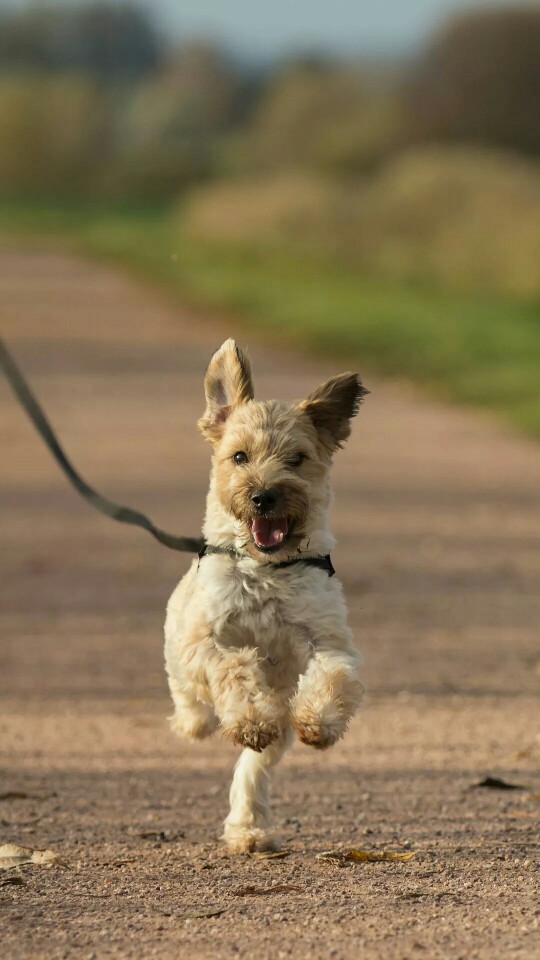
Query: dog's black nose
264	499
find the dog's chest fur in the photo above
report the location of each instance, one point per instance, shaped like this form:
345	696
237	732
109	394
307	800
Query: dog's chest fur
277	612
282	613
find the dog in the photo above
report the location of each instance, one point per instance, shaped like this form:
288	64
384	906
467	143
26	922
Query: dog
257	640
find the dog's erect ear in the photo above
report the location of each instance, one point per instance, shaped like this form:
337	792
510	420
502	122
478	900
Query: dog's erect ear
227	383
331	407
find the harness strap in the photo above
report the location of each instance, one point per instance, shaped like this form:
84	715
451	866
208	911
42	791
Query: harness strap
111	509
324	562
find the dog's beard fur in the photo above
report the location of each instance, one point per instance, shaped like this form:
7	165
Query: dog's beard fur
274	437
290	517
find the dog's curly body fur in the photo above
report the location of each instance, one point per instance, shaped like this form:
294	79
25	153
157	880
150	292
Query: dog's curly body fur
264	652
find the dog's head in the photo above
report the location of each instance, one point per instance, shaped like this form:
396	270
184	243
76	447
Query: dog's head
272	459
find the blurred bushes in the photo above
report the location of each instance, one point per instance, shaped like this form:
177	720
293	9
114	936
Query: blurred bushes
456	217
413	170
55	134
269	209
167	118
324	117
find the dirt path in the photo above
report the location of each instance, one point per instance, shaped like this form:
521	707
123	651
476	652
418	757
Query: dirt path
438	518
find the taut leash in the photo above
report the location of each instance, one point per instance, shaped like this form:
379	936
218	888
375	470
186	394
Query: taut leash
111	509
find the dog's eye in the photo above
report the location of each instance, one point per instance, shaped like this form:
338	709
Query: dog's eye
240	457
297	460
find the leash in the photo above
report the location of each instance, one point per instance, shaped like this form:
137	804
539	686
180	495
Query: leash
116	511
111	509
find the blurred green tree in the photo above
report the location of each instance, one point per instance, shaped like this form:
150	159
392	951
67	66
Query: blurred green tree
479	81
107	39
172	123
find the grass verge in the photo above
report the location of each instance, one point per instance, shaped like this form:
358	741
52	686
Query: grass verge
477	351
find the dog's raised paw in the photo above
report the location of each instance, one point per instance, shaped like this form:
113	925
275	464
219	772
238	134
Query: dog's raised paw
314	734
194	724
253	734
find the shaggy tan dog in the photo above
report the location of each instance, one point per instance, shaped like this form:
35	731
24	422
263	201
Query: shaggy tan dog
257	640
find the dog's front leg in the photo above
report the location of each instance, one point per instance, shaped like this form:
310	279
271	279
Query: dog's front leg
249	711
328	693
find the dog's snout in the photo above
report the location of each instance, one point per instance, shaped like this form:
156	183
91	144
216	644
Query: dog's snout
264	499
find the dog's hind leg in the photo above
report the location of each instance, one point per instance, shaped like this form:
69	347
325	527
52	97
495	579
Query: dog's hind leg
248	825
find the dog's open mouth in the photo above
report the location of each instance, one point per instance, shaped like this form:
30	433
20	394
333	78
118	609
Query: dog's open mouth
269	534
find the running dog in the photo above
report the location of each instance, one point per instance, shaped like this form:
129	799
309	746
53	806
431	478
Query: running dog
257	640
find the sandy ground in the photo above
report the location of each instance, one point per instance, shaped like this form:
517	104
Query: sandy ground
438	517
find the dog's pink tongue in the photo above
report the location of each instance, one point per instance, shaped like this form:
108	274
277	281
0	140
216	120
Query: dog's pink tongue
268	533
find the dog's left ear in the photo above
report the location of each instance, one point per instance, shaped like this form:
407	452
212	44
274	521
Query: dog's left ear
332	406
227	383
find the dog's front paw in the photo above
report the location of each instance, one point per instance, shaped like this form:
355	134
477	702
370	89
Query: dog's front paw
255	734
316	733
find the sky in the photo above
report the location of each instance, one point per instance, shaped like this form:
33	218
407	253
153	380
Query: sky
257	29
260	27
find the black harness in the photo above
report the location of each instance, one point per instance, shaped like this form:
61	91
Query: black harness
323	562
111	509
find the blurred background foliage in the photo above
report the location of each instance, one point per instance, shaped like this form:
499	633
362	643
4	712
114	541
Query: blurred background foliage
412	180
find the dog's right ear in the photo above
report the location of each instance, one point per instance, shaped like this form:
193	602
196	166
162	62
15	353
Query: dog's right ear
227	383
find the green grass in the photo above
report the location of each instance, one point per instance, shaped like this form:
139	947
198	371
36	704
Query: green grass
478	351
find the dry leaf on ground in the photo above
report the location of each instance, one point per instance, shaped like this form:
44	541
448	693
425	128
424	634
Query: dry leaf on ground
333	856
495	783
11	855
22	795
269	854
251	891
514	814
12	881
373	856
194	912
120	862
203	912
343	859
14	795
